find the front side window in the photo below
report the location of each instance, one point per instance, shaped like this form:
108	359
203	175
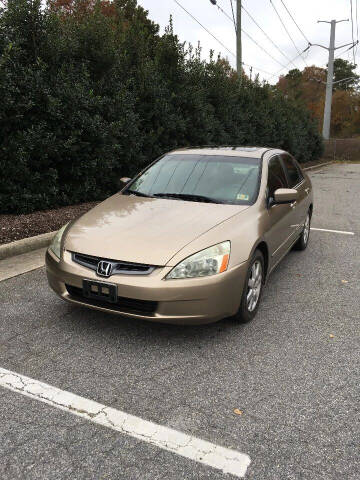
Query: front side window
196	177
293	172
276	176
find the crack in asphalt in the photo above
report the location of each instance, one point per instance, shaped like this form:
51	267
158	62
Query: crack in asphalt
229	461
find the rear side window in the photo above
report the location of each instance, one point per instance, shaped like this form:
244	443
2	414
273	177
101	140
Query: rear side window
276	176
293	172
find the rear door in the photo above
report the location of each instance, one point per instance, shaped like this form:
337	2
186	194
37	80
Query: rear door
296	180
281	217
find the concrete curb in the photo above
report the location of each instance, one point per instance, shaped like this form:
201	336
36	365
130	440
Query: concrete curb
318	166
25	245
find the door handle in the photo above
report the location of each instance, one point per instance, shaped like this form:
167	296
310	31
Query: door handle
293	204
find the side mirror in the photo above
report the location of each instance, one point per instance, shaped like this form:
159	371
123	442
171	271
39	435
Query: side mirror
284	195
125	180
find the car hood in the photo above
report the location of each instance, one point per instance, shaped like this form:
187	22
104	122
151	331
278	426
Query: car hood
144	230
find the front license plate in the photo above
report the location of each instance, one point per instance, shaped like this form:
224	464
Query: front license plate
107	292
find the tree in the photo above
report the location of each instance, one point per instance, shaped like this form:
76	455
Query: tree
90	91
303	86
344	70
307	88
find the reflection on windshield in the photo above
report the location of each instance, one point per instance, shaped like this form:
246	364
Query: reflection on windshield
211	178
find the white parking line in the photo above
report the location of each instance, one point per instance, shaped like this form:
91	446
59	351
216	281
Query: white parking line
229	461
332	231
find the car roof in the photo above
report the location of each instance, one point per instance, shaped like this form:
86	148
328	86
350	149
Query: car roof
231	151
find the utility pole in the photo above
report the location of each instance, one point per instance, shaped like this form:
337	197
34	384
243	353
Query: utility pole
237	25
238	39
329	83
330	76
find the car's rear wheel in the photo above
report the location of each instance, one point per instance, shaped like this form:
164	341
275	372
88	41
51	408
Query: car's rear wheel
252	290
302	243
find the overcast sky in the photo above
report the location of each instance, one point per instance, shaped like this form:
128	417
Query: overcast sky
305	12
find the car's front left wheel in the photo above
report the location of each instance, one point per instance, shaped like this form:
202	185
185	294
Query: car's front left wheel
252	290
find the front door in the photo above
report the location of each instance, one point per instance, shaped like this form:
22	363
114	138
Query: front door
296	181
281	217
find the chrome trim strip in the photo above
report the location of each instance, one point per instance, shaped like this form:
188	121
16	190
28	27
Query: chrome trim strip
116	265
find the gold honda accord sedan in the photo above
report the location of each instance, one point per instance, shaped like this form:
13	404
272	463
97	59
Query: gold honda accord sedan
191	239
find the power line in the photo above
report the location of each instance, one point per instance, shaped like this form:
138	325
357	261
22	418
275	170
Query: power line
277	73
357	25
266	35
262	48
226	14
233	15
208	31
249	36
352	27
340	54
357	20
286	30
291	61
256	68
357	29
346	50
293	19
253	19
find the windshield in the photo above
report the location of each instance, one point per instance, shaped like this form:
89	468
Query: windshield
211	178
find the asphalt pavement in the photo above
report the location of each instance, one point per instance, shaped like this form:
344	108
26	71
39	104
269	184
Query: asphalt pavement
293	372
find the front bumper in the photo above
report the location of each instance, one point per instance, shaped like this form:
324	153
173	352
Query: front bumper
187	301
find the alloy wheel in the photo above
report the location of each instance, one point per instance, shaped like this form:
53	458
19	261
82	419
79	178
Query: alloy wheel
306	230
254	286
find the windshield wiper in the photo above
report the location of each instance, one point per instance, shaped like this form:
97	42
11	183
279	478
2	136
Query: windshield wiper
188	196
135	192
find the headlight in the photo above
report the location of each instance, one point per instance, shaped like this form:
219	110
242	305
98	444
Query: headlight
210	261
56	243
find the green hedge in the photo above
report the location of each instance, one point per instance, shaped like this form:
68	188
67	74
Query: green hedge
86	98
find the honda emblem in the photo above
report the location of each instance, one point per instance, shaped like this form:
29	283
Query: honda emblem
104	269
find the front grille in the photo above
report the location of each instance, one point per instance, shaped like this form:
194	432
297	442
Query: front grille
126	305
118	267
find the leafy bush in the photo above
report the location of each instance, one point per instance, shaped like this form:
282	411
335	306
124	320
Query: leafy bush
89	92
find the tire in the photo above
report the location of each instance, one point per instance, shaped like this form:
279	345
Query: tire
303	241
247	311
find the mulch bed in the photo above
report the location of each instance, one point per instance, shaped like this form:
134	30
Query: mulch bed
16	227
